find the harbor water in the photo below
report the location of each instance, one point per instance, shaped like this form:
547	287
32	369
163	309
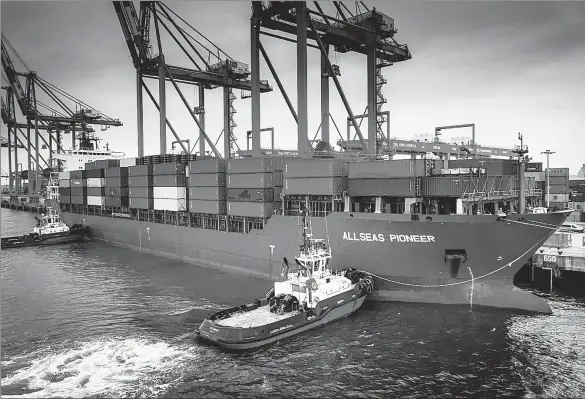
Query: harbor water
91	319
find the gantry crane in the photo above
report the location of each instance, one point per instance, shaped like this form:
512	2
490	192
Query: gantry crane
211	68
62	118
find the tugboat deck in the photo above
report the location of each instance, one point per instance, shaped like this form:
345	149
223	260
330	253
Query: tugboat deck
254	318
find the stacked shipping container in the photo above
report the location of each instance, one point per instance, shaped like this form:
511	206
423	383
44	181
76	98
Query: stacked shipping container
140	188
116	187
96	187
395	178
558	180
78	186
169	187
250	187
64	188
314	177
207	192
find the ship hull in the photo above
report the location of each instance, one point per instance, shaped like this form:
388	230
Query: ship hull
411	260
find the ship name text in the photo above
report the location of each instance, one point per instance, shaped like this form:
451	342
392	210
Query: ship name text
377	237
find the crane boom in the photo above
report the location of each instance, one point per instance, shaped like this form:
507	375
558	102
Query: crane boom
13	80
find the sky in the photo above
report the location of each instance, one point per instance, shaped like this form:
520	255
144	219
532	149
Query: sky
508	67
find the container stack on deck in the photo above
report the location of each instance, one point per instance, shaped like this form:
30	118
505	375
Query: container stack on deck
65	188
207	192
78	184
96	187
116	187
559	187
140	188
318	183
169	187
250	187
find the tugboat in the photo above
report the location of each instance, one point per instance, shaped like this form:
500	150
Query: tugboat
311	296
50	230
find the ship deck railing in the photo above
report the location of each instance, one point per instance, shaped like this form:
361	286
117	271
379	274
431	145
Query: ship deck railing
496	195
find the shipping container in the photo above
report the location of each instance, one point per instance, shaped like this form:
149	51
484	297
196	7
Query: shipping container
314	168
533	167
250	194
168	169
577	186
116	192
77	174
396	187
558	180
556	189
94	173
76	182
65	191
278	178
96	191
140	192
249	180
315	186
203	166
249	165
64	175
278	162
169	204
116	172
117	202
141	203
89	166
444	186
126	162
494	167
65	183
96	200
78	191
65	198
249	209
78	199
140	181
169	181
389	169
121	181
96	182
277	193
210	207
207	193
140	170
207	180
558	172
538	176
564	198
106	163
459	171
169	192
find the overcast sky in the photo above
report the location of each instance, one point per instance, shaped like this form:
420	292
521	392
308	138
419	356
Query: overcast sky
508	67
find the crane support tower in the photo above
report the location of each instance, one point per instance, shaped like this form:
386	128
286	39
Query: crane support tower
210	67
369	32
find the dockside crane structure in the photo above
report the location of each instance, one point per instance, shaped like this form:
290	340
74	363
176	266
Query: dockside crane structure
76	119
369	32
210	68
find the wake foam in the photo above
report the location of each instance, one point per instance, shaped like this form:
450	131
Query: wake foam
132	367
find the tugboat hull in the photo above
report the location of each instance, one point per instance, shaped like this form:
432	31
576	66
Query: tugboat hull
27	240
242	337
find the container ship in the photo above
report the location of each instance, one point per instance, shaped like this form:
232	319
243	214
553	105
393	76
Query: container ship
429	231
